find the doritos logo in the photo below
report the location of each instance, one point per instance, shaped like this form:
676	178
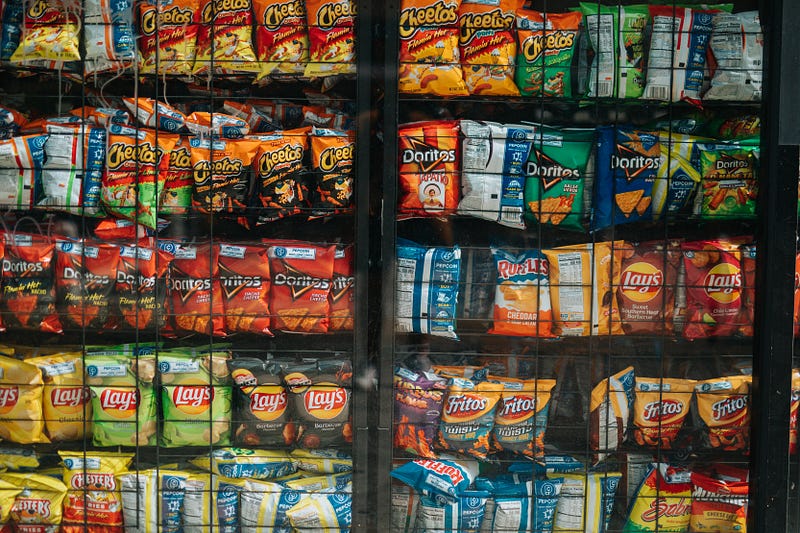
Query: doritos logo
663	410
427	156
121	153
268	406
119	403
31	507
632	163
729	163
641	281
226	166
534	46
93	481
223	7
298	282
465	405
192	400
472	23
729	408
325	402
723	283
415	18
22	268
340	286
276	14
549	170
186	288
9	396
285	156
518	406
330	13
509	269
330	158
174	16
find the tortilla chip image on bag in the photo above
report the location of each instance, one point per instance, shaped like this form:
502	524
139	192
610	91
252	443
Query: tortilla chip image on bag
38	508
263	415
195	291
21	410
610	407
660	408
468	417
66	402
167	36
522	294
547	46
245	280
521	416
418	401
723	412
196	399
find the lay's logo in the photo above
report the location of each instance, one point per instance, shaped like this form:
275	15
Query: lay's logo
325	402
519	406
9	396
415	18
729	408
662	410
473	23
641	281
330	13
535	45
69	399
119	403
268	405
723	283
192	399
465	405
276	14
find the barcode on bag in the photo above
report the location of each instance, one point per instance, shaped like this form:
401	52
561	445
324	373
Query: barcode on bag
511	215
657	92
604	89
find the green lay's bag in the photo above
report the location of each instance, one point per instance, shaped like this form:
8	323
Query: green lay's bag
555	176
547	44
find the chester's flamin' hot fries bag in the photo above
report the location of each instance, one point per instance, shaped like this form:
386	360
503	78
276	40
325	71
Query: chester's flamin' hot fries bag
245	281
224	38
281	36
167	36
21	388
66	407
659	410
331	35
522	295
610	408
195	290
38	508
468	416
221	173
429	57
521	417
723	410
488	46
582	278
547	44
50	32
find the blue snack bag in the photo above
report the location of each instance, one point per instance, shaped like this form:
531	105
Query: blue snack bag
444	479
464	515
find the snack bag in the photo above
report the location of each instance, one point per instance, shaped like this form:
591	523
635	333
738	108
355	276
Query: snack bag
627	166
13	13
677	176
749	289
196	399
301	285
418	402
281	37
468	416
326	510
8	493
342	295
102	116
239	463
38	507
729	179
322	461
521	417
737	49
666	488
167	36
141	287
154	499
205	124
428	172
582	281
93	501
720	500
176	198
405	503
264	505
135	173
22	459
646	291
426	289
331	36
723	412
320	396
659	410
224	39
429	54
586	502
29	292
85	275
617	37
793	410
518	505
123	400
21	410
332	158
245	280
547	46
678	44
522	295
108	35
211	503
50	32
280	172
713	289
195	292
21	162
610	406
66	406
448	478
556	179
493	160
465	515
260	120
263	417
156	115
221	174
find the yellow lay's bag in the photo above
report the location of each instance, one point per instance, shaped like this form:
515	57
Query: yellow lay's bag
37	508
21	388
66	407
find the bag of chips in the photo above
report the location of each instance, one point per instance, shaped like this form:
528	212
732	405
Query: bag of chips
331	36
663	501
195	292
8	493
154	499
326	510
522	294
49	32
167	36
245	281
239	463
211	503
264	505
521	417
465	515
38	508
586	502
141	287
729	180
723	412
156	115
493	161
749	289
446	479
660	408
263	416
21	388
221	174
468	417
13	13
720	500
66	408
418	401
205	124
794	408
281	37
12	122
332	159
21	162
342	295
259	120
556	180
108	35
224	39
322	461
547	47
737	49
280	174
610	406
677	176
520	505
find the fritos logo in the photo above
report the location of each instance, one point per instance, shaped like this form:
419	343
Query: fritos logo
325	402
9	396
69	400
641	281
119	403
193	399
465	405
534	46
330	13
439	14
729	408
472	23
332	157
518	406
268	403
723	283
174	16
663	410
276	14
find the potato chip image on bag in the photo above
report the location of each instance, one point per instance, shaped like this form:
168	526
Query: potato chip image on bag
522	294
521	417
21	410
263	415
38	508
66	402
660	408
196	399
123	399
723	411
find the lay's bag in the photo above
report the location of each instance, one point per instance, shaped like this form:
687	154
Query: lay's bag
66	406
21	413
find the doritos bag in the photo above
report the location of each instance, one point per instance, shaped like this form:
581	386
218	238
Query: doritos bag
141	287
428	172
167	36
281	36
332	159
66	407
301	284
723	412
521	417
522	295
195	293
221	174
38	508
21	161
468	416
342	295
50	32
21	413
659	410
245	281
263	416
418	401
547	45
176	198
224	38
280	188
331	36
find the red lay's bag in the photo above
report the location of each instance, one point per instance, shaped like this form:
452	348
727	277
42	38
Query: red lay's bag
221	173
281	36
331	35
301	284
195	291
342	295
85	275
429	164
141	287
245	280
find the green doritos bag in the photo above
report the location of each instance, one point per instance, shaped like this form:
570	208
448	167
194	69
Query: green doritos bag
729	180
555	176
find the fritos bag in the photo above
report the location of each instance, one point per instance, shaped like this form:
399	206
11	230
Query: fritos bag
418	401
196	399
522	294
468	417
281	36
342	295
221	174
331	36
167	36
21	161
429	164
66	407
141	287
195	292
660	408
280	172
93	502
301	284
29	292
245	280
176	198
582	278
723	412
21	410
50	32
86	274
429	55
720	500
663	500
263	416
224	38
332	159
547	45
521	417
38	508
610	406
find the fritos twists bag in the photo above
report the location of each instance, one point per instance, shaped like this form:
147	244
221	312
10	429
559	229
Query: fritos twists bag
141	287
723	411
123	400
660	408
342	295
547	45
468	417
301	284
331	36
221	173
332	159
21	410
66	403
280	174
429	164
521	417
720	500
49	32
663	501
21	162
93	498
38	508
418	401
610	407
195	292
167	36
224	38
582	278
281	36
429	55
522	295
263	416
196	399
245	280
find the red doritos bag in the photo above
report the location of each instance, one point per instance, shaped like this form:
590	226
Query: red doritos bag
195	291
85	275
141	287
342	295
244	276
